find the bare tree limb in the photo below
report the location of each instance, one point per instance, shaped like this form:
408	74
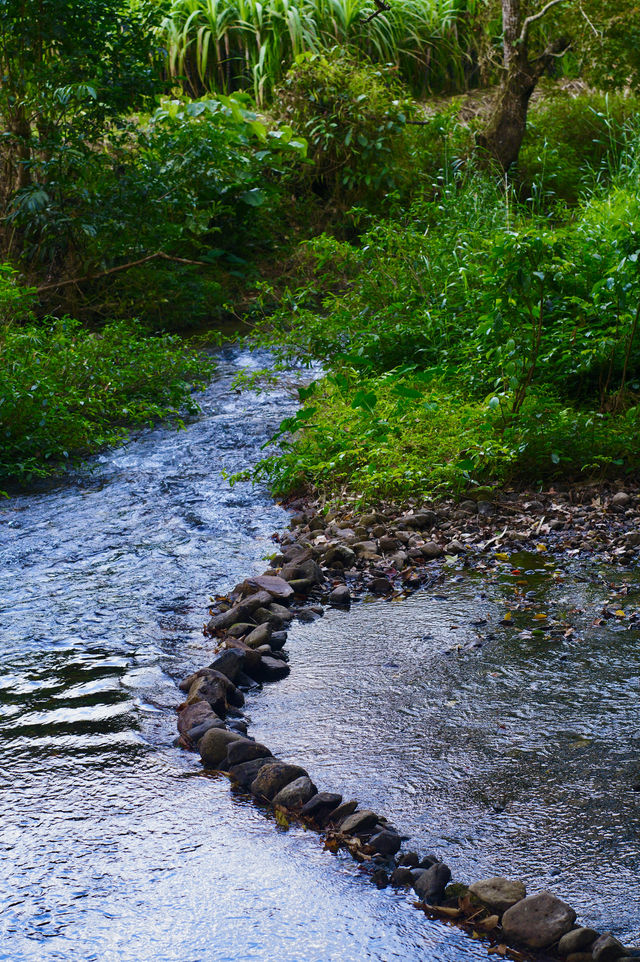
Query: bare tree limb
121	267
535	17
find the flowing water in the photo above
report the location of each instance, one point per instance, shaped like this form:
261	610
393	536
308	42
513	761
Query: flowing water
114	847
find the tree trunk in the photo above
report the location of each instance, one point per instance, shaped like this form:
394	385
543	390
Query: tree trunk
503	135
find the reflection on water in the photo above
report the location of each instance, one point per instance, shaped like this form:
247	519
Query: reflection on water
110	849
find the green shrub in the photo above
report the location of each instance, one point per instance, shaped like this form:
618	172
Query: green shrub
66	392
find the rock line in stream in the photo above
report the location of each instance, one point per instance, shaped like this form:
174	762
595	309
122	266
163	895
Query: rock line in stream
334	559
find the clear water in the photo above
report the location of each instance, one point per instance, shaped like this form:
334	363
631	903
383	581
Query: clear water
112	845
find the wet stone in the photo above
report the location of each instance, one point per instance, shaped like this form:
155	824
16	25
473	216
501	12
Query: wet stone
402	876
498	894
340	813
538	920
272	669
431	884
259	636
321	804
272	778
296	793
580	957
245	773
245	751
213	746
387	843
409	859
380	878
358	822
199	731
340	597
607	948
194	715
577	940
431	550
228	663
277	587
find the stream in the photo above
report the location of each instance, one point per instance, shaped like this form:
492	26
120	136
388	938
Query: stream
504	756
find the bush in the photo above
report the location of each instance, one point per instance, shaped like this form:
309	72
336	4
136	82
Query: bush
66	392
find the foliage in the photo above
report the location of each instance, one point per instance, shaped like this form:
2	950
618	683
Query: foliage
199	181
227	45
65	392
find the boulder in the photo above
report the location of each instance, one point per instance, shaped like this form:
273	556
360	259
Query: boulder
296	793
339	813
577	940
432	882
538	920
277	587
401	876
199	731
195	714
264	616
259	636
229	663
213	746
321	804
244	751
340	597
341	554
409	860
278	640
298	570
281	612
606	948
216	689
387	843
272	669
498	894
246	773
272	778
358	822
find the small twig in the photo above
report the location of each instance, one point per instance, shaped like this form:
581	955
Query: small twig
382	8
535	17
115	270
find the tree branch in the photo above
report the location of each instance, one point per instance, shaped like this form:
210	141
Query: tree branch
115	270
534	18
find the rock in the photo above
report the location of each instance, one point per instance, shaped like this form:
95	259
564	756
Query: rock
209	683
388	544
429	860
339	813
307	570
401	876
242	628
387	843
213	746
302	586
282	613
431	550
199	731
432	882
251	659
229	663
339	553
381	586
455	547
238	725
259	636
210	690
380	878
469	506
421	520
321	804
632	539
340	597
245	751
409	859
621	499
264	616
606	948
358	822
272	669
498	894
246	773
195	714
577	940
227	618
538	920
296	793
278	640
580	957
272	778
486	508
365	547
277	587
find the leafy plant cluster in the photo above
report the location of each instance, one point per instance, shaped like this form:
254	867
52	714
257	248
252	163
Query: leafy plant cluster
66	392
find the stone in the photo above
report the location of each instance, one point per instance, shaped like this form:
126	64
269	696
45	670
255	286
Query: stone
340	597
278	640
387	843
469	506
211	691
296	793
228	663
195	714
429	860
365	547
455	547
213	746
277	587
409	859
308	570
538	920
621	499
498	894
242	628
272	669
431	550
272	778
576	940
302	586
339	813
321	804
358	822
246	773
401	876
432	882
421	520
388	544
340	553
238	725
380	878
381	586
199	731
264	616
259	636
580	957
281	612
606	948
245	751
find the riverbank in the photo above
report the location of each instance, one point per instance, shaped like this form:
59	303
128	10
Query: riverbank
336	558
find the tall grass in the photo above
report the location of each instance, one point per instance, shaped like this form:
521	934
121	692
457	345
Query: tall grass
226	45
